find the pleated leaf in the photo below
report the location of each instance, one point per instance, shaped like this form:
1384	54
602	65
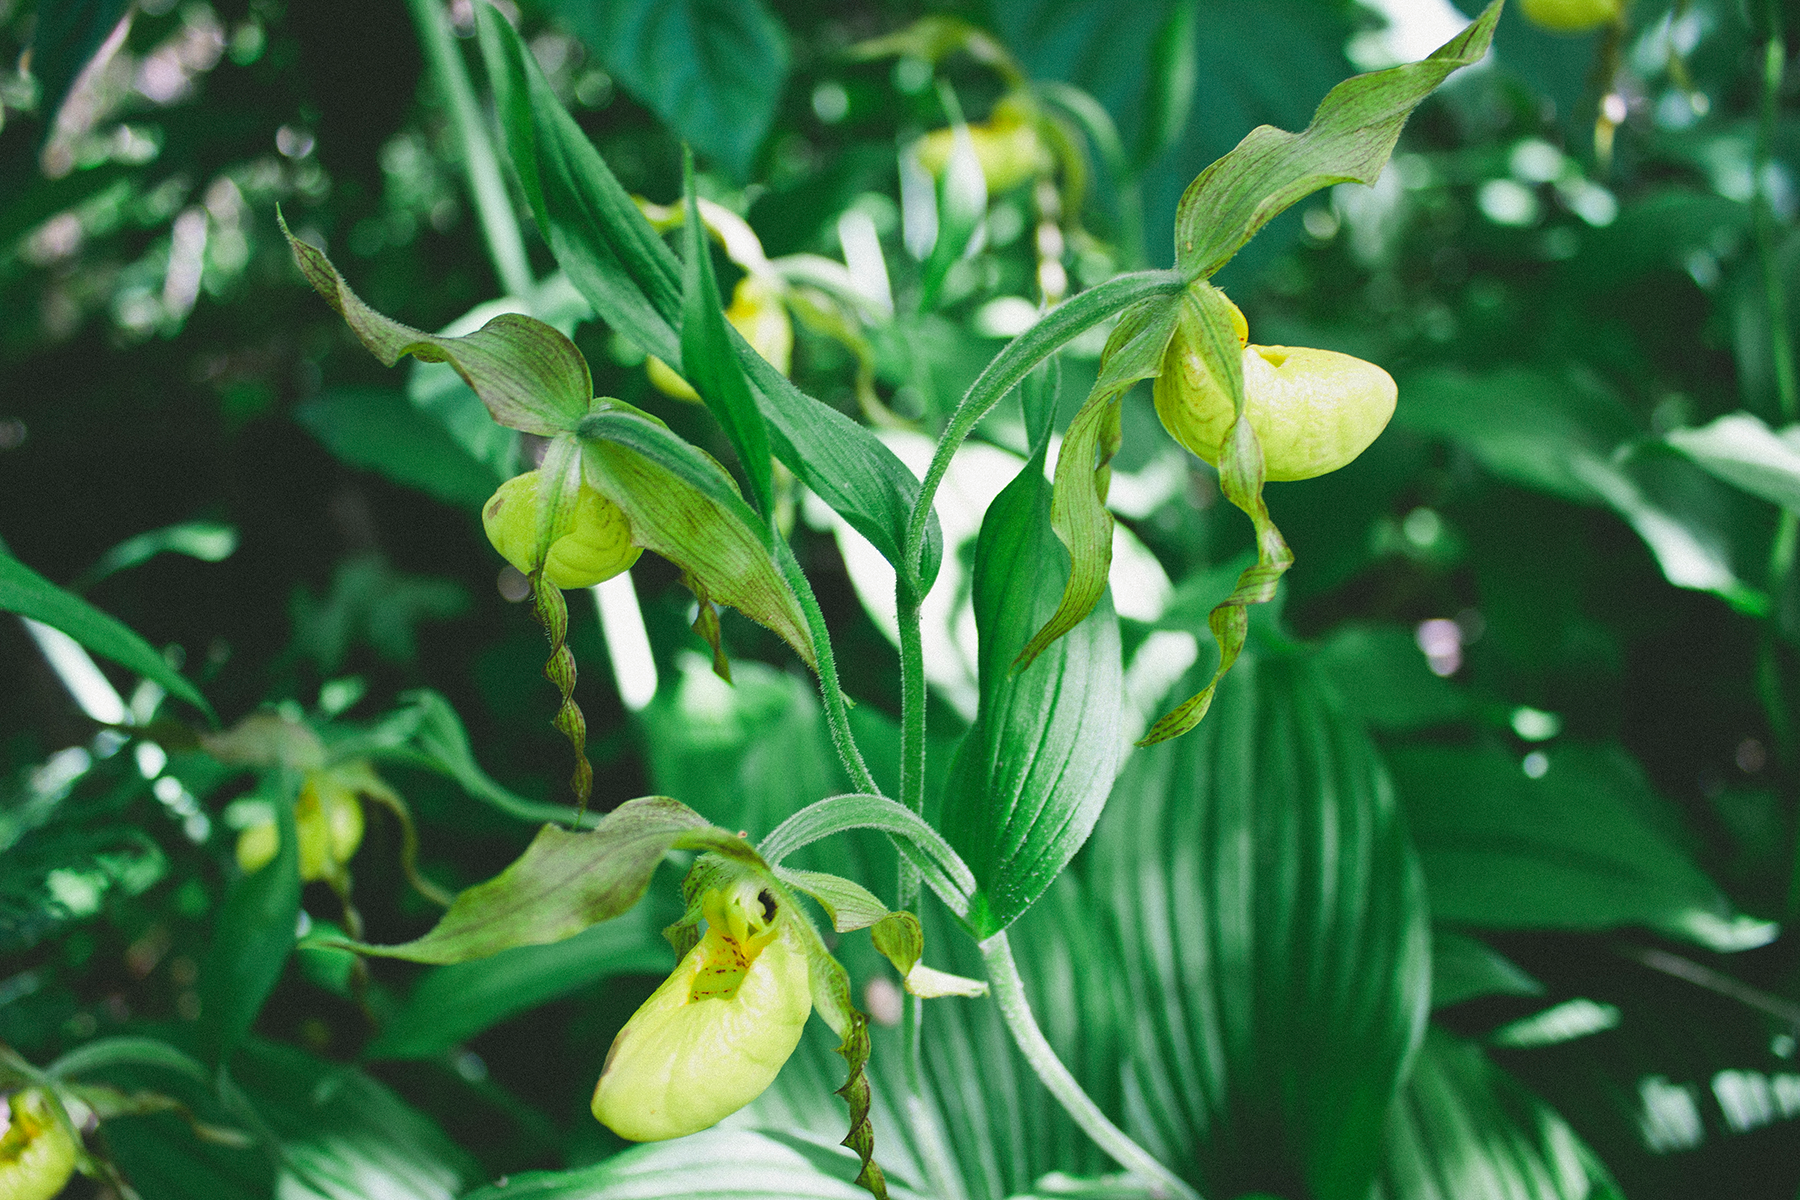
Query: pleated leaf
1465	1130
1035	771
1274	939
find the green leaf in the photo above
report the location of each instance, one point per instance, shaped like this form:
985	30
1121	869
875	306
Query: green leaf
1036	768
106	1053
344	1136
1395	690
1746	453
707	361
719	1164
682	505
255	930
1588	845
1463	1127
1078	513
620	263
451	1004
849	904
942	869
565	882
382	431
29	594
713	69
1464	968
1349	141
69	34
208	541
530	376
1272	922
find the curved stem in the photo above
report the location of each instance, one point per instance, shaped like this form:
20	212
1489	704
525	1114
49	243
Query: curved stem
1009	993
837	713
1058	326
493	206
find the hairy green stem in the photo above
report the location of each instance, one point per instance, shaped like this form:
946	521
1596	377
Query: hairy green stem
1009	993
837	713
487	187
1056	328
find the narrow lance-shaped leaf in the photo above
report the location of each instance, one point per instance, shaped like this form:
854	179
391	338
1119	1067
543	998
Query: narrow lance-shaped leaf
530	376
684	506
707	360
1205	310
620	263
1349	141
1746	453
1035	770
565	882
29	594
255	930
1083	466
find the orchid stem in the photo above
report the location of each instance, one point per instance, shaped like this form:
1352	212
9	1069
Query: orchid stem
1009	993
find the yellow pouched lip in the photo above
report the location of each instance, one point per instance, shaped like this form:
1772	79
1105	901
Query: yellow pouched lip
758	313
596	546
1313	410
1571	16
717	1031
37	1155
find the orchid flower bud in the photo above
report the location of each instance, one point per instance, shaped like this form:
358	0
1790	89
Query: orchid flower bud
594	545
1313	410
37	1155
717	1031
1572	16
328	819
757	312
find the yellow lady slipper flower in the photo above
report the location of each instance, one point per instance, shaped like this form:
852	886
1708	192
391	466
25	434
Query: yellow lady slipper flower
37	1155
1007	145
1572	16
717	1031
1313	410
757	312
328	819
596	544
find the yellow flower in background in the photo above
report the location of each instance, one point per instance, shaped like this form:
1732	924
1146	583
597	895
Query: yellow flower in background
595	545
758	312
37	1155
328	818
717	1031
1007	145
1572	16
1313	410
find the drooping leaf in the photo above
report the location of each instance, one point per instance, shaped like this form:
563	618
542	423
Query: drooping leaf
380	430
531	377
1746	453
683	506
713	69
633	280
254	932
1463	1128
1036	768
1464	968
565	882
719	1164
1586	845
1273	930
707	360
207	541
940	867
29	594
1349	141
451	1004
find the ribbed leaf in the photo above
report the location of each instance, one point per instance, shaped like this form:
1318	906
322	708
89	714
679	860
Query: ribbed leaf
633	280
1587	845
29	594
720	1164
1464	1130
1274	939
1036	768
1349	140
